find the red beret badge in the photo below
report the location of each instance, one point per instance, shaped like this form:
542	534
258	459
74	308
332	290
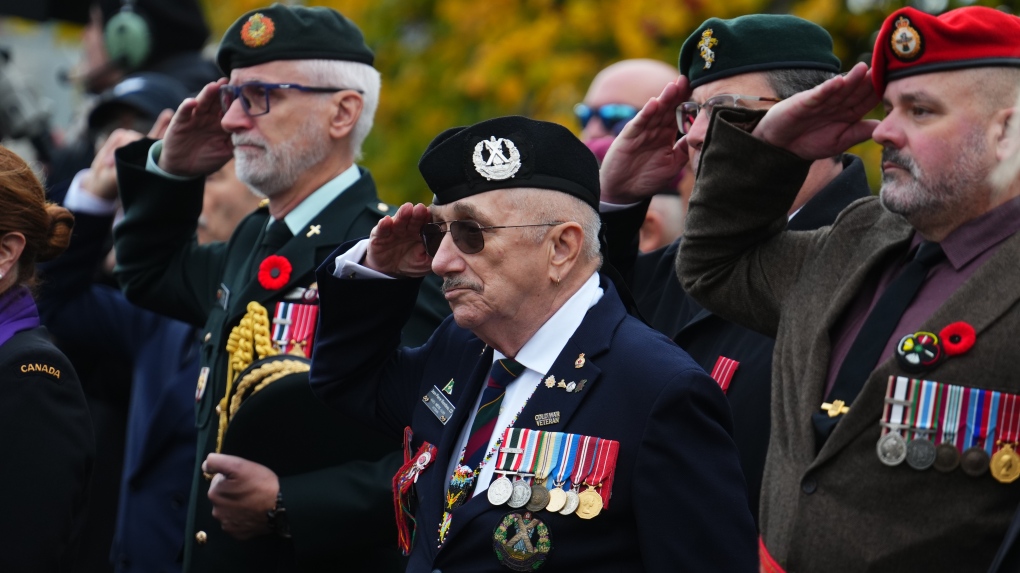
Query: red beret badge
906	41
257	31
274	272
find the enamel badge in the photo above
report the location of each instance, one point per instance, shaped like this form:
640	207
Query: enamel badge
496	158
257	31
705	45
906	42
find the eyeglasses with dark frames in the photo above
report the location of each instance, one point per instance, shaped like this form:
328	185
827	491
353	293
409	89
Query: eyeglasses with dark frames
467	235
254	96
688	111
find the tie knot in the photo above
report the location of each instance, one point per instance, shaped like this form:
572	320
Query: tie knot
505	371
929	254
277	235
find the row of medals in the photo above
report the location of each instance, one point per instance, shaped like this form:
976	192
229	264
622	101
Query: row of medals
921	454
536	497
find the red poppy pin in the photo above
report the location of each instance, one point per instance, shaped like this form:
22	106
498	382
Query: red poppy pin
957	338
274	272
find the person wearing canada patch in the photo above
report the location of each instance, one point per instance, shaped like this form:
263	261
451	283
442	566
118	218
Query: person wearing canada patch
48	449
293	113
896	405
546	428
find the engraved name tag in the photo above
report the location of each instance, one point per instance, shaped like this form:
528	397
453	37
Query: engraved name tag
438	404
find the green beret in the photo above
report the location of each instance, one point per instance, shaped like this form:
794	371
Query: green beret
291	33
509	152
722	48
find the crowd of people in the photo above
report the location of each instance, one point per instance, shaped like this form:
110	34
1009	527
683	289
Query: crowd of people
691	339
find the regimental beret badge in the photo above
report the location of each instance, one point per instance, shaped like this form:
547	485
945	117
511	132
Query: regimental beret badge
906	42
492	162
705	45
257	31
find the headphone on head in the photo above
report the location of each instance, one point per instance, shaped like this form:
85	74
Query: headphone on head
127	37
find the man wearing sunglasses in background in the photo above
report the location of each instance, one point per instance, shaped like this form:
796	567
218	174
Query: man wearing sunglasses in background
614	98
746	62
539	345
299	101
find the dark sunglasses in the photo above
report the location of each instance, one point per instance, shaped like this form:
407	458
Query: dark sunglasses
612	115
467	235
254	96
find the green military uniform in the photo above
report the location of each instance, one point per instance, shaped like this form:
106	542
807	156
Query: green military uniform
332	512
339	511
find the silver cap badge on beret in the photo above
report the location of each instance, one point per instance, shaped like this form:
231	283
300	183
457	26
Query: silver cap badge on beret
498	166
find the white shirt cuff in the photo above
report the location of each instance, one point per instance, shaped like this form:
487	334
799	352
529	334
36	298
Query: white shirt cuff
80	201
152	163
613	207
348	266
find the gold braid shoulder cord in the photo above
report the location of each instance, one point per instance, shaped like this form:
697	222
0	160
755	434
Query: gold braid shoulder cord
252	333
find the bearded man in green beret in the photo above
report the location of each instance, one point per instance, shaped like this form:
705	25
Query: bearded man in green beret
298	102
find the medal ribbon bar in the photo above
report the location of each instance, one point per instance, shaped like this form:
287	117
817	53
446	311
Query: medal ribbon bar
601	477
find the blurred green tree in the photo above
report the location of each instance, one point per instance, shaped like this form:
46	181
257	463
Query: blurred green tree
446	63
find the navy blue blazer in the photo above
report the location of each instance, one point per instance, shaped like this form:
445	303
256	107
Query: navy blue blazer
679	501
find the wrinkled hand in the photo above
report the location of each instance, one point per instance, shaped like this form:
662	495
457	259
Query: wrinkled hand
824	121
195	144
646	156
241	493
395	247
101	180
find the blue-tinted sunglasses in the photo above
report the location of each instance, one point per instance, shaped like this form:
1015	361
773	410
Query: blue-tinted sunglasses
612	115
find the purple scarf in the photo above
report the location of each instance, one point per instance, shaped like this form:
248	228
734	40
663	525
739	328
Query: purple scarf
17	312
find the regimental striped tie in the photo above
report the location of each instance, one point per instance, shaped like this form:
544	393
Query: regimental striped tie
503	372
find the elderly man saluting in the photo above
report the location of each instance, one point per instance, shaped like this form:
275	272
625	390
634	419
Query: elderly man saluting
545	426
895	396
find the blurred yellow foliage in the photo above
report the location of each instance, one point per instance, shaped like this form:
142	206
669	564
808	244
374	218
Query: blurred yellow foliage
446	63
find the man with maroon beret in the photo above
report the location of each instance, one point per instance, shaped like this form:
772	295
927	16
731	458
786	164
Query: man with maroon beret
896	407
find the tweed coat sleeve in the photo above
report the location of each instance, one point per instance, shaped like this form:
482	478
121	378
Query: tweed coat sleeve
735	258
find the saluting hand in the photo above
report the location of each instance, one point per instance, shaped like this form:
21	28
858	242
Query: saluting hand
395	247
241	493
646	155
101	180
824	121
195	144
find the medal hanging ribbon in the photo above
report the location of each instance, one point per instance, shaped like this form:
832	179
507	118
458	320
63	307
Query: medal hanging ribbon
601	477
962	430
527	466
282	322
548	453
949	414
927	406
570	443
1005	464
991	420
895	405
584	462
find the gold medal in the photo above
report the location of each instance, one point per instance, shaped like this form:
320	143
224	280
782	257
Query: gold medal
589	503
557	499
1005	465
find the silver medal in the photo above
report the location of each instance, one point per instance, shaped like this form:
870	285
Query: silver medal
920	453
892	449
500	491
572	502
521	494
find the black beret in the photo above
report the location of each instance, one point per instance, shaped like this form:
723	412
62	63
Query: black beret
291	33
509	152
278	421
758	42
